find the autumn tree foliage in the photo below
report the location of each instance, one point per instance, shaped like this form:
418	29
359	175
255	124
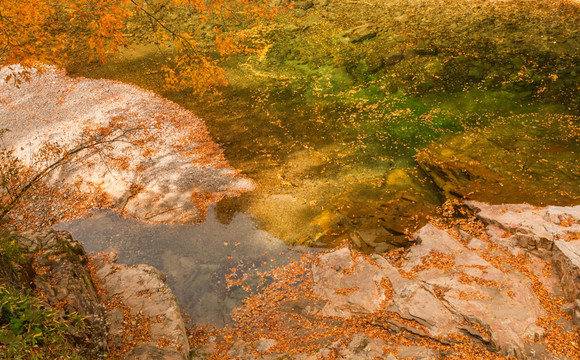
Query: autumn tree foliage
57	31
48	31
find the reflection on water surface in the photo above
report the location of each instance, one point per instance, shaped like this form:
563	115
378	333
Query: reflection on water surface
357	120
196	259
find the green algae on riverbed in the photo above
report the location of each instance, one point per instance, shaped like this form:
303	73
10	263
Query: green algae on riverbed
357	120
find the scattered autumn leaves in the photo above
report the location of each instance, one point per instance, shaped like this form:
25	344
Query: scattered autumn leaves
278	310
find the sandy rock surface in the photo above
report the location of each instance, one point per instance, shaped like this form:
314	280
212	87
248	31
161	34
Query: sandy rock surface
165	167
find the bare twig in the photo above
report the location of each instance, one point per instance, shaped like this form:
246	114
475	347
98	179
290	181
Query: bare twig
93	142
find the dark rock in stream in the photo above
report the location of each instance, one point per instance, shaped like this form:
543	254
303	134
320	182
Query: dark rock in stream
321	3
393	58
120	298
303	5
55	268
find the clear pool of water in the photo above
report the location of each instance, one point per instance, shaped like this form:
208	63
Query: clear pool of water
330	130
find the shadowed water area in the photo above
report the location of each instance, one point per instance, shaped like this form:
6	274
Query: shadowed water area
198	260
358	120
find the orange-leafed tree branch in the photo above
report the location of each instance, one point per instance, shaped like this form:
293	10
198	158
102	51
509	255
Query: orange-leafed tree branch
55	32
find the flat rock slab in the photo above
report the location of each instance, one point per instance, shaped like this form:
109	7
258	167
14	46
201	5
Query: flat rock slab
465	298
556	228
528	226
165	167
352	285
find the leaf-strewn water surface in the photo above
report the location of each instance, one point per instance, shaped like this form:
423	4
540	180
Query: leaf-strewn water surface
357	120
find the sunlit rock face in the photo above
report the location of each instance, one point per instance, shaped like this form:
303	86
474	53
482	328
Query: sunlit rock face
142	296
501	282
154	159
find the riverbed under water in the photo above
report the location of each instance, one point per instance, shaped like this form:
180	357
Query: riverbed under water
331	132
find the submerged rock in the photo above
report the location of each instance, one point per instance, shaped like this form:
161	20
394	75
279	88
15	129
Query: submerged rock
303	5
157	162
393	58
361	33
524	158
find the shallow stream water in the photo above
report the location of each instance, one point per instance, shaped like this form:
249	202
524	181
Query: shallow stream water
362	141
196	259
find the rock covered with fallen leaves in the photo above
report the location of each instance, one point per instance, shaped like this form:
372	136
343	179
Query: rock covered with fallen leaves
499	283
153	159
143	313
445	288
